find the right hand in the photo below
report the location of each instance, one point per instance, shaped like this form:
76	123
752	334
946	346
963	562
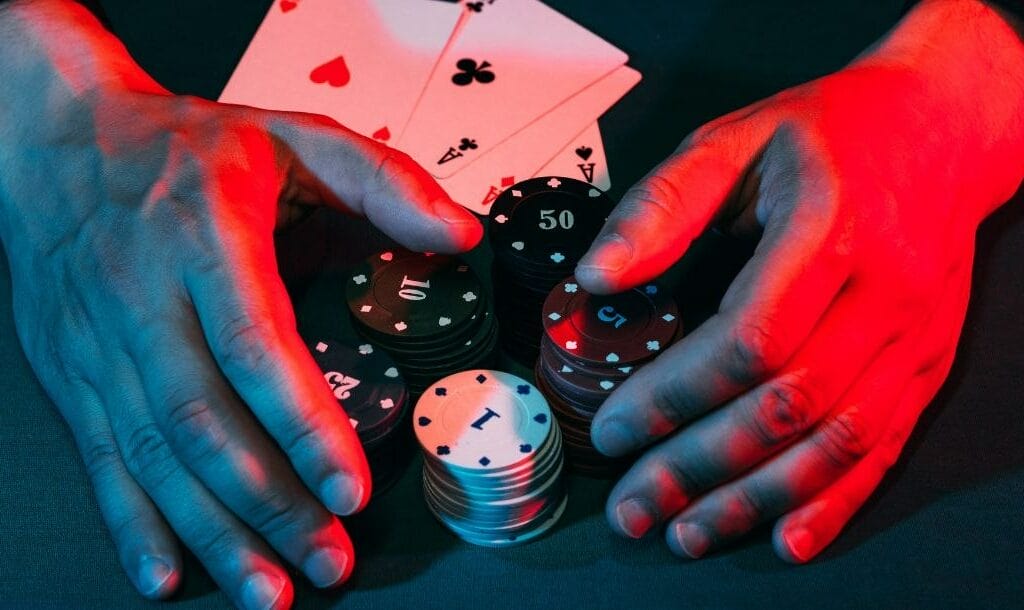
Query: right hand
139	228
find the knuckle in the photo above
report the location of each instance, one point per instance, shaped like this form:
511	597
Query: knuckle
148	457
755	352
688	478
846	438
216	545
655	194
393	161
745	508
302	434
274	513
242	346
889	449
701	137
129	527
671	400
99	455
391	167
784	410
192	423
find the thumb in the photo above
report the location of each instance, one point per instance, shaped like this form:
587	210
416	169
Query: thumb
330	164
661	215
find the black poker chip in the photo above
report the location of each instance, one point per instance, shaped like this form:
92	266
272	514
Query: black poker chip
591	344
429	312
539	229
547	222
614	330
411	296
369	387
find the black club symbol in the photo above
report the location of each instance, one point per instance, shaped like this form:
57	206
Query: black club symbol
477	7
470	71
467	144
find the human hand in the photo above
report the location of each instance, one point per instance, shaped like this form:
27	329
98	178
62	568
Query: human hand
866	188
139	228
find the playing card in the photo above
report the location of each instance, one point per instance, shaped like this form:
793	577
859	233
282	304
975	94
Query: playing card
582	159
363	63
524	154
511	62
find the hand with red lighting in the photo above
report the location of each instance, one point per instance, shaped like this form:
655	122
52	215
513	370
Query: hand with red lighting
865	189
139	228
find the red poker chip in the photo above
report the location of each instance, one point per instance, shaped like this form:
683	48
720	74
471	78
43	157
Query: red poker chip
610	331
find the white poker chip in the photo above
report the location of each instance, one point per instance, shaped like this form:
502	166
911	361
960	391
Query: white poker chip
482	420
494	468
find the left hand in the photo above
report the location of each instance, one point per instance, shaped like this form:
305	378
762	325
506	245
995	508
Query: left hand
866	188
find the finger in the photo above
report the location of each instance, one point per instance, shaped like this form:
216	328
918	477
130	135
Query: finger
658	218
806	531
249	326
147	549
712	171
331	164
799	267
240	563
836	445
733	510
221	443
809	529
758	424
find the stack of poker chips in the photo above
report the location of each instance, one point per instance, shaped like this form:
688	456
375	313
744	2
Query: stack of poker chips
369	387
591	345
539	229
428	311
492	470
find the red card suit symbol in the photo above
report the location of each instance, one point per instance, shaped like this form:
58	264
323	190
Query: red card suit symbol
287	5
383	134
335	73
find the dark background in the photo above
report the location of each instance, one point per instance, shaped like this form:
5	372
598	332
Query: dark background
945	530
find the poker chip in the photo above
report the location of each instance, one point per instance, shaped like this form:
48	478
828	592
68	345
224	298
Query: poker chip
369	387
430	312
613	330
539	229
590	346
493	466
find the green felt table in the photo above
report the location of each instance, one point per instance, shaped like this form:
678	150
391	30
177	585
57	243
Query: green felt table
946	529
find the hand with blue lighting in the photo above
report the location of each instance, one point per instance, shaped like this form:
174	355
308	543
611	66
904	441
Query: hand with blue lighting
139	228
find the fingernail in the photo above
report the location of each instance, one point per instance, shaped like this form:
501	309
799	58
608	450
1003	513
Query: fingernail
261	591
342	494
800	543
634	518
693	539
452	213
613	438
326	567
155	576
610	254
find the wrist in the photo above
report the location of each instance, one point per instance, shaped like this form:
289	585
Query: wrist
63	41
963	64
59	64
